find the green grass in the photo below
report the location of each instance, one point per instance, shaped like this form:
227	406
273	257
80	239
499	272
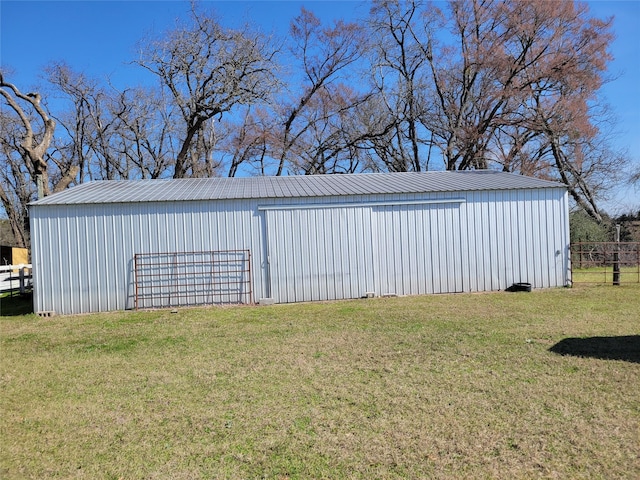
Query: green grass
446	386
604	275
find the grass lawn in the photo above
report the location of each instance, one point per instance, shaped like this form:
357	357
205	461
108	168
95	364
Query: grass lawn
441	386
605	275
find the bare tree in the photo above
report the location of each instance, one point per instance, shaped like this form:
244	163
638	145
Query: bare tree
16	190
79	122
323	55
476	83
244	143
27	134
329	142
580	154
398	70
34	144
112	134
635	176
209	70
504	53
144	132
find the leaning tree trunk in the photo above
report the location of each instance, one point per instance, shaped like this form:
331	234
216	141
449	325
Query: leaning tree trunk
33	150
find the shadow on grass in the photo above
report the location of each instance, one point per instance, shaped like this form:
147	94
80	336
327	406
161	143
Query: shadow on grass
625	348
16	305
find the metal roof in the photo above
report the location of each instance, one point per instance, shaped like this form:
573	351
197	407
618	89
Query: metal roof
130	191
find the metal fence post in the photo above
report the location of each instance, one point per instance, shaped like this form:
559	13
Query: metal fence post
616	257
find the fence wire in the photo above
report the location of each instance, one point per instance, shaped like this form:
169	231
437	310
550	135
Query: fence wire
604	262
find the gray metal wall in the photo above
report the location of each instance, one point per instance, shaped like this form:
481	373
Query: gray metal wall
309	248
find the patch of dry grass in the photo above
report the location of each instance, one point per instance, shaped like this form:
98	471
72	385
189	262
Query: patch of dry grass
445	386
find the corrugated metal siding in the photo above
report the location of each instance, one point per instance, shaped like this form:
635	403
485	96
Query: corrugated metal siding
418	249
319	254
345	247
515	237
83	255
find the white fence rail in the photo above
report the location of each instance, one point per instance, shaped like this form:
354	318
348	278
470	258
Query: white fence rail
9	268
24	276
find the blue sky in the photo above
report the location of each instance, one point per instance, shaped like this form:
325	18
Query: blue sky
99	38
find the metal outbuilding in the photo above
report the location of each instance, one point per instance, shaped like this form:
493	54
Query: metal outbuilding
113	245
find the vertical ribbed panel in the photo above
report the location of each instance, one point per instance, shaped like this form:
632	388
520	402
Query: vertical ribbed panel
515	236
419	249
83	254
320	253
